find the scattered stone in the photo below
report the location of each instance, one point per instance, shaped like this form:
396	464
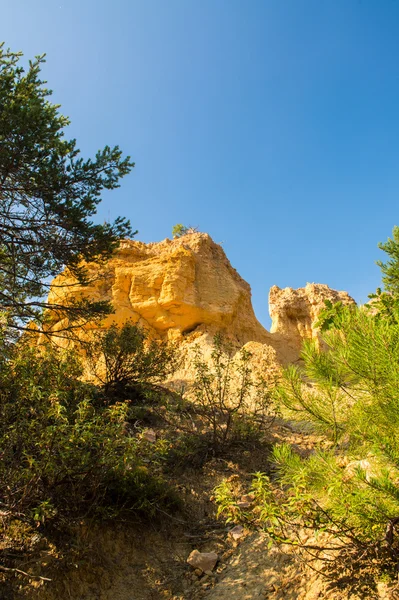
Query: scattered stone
243	504
205	561
237	532
149	435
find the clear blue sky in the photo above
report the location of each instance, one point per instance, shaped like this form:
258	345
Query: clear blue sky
271	124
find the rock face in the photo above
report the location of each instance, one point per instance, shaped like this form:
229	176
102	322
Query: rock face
295	313
186	290
173	288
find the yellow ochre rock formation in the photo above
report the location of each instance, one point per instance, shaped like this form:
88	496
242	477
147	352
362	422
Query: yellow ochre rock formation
294	313
185	289
171	287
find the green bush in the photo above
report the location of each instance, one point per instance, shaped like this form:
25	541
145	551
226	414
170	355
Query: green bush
63	458
179	230
348	487
235	403
127	363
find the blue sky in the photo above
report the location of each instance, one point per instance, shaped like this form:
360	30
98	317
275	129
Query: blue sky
270	124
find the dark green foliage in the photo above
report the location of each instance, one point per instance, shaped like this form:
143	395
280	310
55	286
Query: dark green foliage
48	195
64	458
127	363
60	452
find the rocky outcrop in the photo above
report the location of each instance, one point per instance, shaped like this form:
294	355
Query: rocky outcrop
186	290
172	288
295	313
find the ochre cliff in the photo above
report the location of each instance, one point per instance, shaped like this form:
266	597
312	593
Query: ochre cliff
294	313
172	287
186	290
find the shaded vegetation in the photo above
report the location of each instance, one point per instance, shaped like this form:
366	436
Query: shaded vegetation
127	364
63	457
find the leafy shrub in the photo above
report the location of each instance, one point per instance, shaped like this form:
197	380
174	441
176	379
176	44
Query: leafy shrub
235	403
127	363
62	457
179	230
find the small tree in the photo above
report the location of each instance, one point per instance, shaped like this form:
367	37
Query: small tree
126	361
48	195
179	230
232	398
348	487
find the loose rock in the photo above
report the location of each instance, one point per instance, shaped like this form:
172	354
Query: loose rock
205	561
237	532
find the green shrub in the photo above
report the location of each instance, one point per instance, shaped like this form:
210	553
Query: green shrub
348	487
179	230
235	403
127	363
63	458
350	394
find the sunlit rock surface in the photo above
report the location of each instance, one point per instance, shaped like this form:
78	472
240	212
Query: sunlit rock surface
173	287
295	313
186	290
